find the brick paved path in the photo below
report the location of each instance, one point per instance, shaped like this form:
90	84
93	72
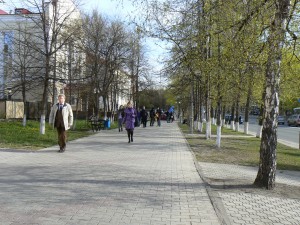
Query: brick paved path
244	205
102	180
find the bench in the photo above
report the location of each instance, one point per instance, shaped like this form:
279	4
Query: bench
97	125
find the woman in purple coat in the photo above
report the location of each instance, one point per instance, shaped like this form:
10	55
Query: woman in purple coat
129	119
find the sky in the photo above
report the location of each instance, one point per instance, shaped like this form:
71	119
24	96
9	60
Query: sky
115	9
121	9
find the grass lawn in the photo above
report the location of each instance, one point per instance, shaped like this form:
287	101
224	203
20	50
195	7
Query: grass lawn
13	135
239	149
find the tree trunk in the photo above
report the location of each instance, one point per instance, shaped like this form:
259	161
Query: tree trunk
260	120
247	106
201	112
232	117
267	165
45	96
219	120
192	109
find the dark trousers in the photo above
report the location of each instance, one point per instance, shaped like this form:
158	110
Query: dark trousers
144	122
130	135
152	121
62	137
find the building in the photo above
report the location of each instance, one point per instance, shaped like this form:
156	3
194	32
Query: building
26	65
24	59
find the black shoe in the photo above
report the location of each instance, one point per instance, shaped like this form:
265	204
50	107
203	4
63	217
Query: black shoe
131	139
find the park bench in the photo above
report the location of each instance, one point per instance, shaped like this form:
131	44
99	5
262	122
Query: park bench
97	124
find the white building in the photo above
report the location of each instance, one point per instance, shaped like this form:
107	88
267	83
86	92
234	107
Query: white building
23	51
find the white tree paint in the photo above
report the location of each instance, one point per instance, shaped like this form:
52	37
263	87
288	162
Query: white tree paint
200	127
42	125
218	141
259	131
246	127
232	125
237	126
208	130
24	120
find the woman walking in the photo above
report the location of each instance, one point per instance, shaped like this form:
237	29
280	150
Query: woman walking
129	119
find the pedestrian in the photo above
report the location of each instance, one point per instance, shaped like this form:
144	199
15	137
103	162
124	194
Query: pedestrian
152	117
158	116
144	116
138	118
129	119
61	117
120	118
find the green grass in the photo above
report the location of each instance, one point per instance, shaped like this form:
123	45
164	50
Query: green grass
13	135
238	150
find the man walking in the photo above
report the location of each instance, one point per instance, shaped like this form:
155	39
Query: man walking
144	116
61	117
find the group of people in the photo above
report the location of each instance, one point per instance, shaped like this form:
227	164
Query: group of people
134	118
61	118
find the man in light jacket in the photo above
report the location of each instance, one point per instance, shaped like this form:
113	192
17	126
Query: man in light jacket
61	117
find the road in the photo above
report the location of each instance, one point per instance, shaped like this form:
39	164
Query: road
286	134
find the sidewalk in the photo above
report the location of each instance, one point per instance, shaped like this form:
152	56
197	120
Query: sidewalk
103	180
155	180
231	190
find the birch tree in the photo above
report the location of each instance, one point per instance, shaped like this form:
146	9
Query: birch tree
267	165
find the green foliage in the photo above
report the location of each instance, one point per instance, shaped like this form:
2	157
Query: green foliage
290	82
153	98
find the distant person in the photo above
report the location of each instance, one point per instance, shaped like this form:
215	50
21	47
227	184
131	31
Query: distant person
120	118
158	116
168	116
138	119
61	117
144	116
129	120
171	112
152	117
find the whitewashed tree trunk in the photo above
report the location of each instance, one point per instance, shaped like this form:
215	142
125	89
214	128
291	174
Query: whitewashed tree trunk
237	126
196	124
218	141
232	125
246	127
24	120
208	130
223	122
259	131
42	124
201	126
